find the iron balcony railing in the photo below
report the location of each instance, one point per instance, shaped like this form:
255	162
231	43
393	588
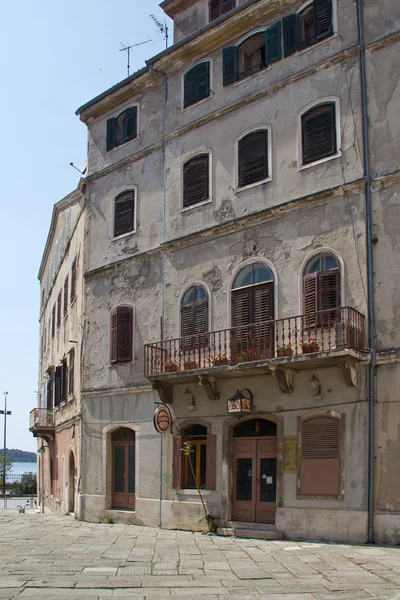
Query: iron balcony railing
41	418
323	331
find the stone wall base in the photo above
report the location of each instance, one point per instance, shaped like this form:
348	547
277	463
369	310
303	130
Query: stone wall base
327	524
387	527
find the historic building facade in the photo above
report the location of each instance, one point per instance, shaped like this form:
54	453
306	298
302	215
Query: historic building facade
235	208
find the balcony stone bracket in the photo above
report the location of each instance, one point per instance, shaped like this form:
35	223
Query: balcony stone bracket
210	385
165	391
350	373
284	377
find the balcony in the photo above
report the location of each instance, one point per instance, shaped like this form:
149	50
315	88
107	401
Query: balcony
41	423
333	337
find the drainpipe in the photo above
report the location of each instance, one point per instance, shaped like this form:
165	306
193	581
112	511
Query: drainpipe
370	287
162	328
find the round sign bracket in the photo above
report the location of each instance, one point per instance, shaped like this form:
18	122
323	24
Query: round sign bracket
162	419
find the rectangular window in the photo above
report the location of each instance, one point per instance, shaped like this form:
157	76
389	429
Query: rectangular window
319	136
53	321
71	372
121	335
253	158
57	385
124	213
59	298
196	84
66	296
313	24
64	386
73	280
196	180
123	128
220	7
320	457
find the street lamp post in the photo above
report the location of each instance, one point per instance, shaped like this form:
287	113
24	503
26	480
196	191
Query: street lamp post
5	412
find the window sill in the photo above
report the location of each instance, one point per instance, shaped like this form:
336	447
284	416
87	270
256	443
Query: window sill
303	50
184	109
252	185
192	206
116	238
124	143
190	492
320	161
252	75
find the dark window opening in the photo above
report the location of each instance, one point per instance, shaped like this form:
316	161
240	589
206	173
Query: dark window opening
255	428
194	467
313	24
124	213
220	7
252	55
66	297
253	158
71	372
73	281
59	298
319	138
306	27
53	321
123	128
121	335
196	180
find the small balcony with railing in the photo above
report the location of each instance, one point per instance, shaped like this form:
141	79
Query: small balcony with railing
41	422
333	337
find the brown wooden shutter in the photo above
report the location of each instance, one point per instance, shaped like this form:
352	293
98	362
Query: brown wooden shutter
263	312
113	337
53	321
310	302
66	296
319	133
124	213
195	180
329	294
71	371
177	462
320	457
211	462
124	334
73	280
253	158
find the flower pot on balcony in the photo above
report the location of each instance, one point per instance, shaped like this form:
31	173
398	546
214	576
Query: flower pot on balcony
283	353
171	368
309	349
189	367
220	362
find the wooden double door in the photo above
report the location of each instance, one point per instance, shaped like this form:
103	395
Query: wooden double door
254	479
123	483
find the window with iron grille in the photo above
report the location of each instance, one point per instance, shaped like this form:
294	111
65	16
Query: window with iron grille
198	470
196	180
121	338
196	84
124	213
253	158
321	291
319	133
220	7
320	456
123	128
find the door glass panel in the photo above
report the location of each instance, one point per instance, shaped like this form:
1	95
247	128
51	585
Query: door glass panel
268	480
131	469
244	479
119	469
190	482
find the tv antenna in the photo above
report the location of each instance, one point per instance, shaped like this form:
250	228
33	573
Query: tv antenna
162	27
127	48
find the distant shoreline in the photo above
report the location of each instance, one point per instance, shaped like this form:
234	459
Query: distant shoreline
19	455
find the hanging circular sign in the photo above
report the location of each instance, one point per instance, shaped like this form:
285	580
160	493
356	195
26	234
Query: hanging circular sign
162	419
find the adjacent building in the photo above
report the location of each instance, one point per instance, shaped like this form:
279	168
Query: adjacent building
235	210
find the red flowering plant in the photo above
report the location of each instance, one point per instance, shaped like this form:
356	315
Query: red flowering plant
171	366
218	359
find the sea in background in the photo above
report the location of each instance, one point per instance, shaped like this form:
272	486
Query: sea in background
19	468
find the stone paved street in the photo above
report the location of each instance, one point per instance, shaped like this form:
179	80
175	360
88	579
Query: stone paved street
45	557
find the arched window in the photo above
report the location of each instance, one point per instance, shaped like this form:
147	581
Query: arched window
253	157
198	469
196	186
196	84
252	55
321	289
194	315
319	136
124	213
123	128
121	338
320	456
252	312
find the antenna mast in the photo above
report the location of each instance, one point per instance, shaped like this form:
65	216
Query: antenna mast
162	27
128	49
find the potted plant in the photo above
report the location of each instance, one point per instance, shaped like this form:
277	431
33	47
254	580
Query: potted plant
284	350
170	366
249	355
310	346
189	364
218	360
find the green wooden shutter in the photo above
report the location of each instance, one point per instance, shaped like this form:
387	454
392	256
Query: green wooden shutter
323	22
189	85
290	34
202	80
111	133
273	43
130	123
230	64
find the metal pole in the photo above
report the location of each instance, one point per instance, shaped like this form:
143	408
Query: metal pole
4	449
161	468
370	285
42	481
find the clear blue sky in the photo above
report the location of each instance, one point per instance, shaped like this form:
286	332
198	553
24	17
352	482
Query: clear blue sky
54	57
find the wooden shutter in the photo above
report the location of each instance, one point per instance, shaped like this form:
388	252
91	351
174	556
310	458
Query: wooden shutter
273	43
66	296
111	133
113	337
241	300
228	5
196	180
49	393
130	123
290	34
189	88
187	320
263	312
53	321
319	133
253	158
323	25
320	457
64	386
310	302
203	80
177	462
124	334
215	10
73	280
57	385
124	213
329	295
230	64
59	304
211	462
71	372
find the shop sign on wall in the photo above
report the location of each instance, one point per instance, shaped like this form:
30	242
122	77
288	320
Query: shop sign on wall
162	419
290	454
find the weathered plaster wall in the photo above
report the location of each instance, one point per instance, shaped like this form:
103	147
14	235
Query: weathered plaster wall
190	19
